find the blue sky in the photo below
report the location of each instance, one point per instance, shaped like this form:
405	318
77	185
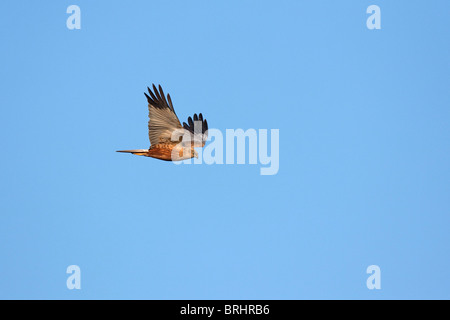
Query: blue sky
364	154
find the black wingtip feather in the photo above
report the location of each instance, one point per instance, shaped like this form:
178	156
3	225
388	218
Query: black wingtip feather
148	98
170	101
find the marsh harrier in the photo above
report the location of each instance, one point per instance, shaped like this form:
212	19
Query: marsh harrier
169	140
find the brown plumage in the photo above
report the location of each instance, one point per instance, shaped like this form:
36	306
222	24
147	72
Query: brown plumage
169	140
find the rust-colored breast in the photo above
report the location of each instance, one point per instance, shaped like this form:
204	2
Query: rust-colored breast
164	152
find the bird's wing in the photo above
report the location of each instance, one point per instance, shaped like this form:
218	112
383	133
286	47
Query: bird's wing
198	129
163	119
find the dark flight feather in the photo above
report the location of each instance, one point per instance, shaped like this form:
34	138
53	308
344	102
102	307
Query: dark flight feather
157	98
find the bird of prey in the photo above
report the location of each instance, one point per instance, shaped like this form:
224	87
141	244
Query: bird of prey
169	140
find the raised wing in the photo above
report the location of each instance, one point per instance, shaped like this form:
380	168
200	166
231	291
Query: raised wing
163	119
198	129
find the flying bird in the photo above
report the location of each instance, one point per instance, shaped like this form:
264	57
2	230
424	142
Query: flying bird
169	140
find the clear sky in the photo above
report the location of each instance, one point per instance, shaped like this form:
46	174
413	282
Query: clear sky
364	150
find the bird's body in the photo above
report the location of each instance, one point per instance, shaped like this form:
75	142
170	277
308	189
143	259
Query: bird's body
169	140
164	151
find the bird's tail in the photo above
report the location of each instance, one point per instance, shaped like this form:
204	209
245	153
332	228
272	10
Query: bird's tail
139	152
